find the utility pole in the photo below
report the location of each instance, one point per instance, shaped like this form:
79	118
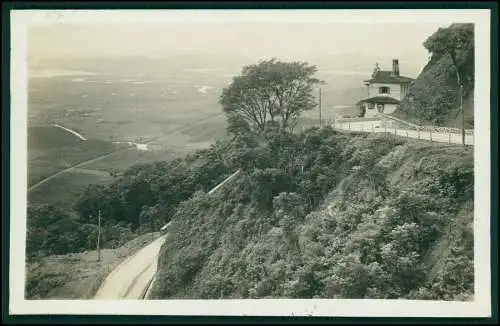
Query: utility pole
99	236
319	104
463	114
152	230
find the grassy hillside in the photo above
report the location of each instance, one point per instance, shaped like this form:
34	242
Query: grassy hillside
45	137
65	190
52	149
328	215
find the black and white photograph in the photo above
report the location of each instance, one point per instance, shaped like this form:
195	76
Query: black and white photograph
331	162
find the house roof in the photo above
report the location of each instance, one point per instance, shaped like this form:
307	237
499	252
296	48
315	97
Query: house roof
386	77
380	100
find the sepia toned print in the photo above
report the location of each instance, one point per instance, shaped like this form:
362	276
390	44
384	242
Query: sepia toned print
252	160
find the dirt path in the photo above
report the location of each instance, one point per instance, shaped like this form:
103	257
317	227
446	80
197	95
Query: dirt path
92	172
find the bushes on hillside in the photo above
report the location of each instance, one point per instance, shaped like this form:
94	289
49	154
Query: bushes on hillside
53	231
340	217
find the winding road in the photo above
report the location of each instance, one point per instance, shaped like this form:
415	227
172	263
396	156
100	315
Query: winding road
133	277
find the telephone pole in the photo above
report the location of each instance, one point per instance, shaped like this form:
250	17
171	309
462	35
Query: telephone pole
99	236
319	104
463	114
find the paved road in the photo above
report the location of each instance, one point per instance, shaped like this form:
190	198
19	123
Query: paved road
131	279
374	126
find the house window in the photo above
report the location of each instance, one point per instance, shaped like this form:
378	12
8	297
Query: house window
380	108
384	90
370	106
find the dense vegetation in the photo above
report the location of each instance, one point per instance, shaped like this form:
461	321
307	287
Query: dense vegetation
140	200
436	91
323	214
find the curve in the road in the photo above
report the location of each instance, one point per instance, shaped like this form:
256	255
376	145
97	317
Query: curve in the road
134	277
134	282
131	279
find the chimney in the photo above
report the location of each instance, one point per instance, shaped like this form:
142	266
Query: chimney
395	67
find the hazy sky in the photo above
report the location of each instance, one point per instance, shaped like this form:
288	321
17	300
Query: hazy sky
290	40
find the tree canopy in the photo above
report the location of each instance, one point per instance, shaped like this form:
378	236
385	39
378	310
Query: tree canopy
269	93
437	91
456	41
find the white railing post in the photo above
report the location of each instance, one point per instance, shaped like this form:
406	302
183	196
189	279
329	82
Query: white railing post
430	133
373	128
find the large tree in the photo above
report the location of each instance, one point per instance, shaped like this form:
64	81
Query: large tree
270	92
457	42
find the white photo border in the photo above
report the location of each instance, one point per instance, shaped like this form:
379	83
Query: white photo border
480	307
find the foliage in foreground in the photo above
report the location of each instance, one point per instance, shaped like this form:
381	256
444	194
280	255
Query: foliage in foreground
325	215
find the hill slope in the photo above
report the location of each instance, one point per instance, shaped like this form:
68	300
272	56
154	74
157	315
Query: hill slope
436	95
436	101
51	149
327	215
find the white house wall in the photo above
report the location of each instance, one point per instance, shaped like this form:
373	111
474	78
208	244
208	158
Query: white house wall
405	89
394	92
371	113
390	108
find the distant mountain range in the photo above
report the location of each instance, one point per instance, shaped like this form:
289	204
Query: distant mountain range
354	62
141	64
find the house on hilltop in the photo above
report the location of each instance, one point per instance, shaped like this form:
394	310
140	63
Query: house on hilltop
386	89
